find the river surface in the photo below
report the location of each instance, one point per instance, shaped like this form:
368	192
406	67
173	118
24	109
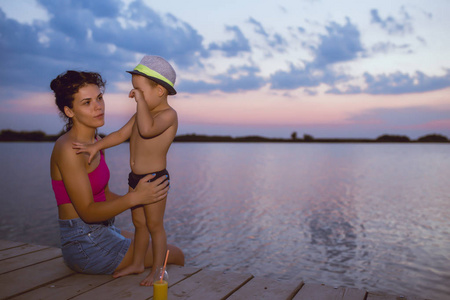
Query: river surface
370	216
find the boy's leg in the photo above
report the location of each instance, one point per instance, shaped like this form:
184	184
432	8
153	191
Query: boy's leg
176	255
140	243
154	215
141	236
141	240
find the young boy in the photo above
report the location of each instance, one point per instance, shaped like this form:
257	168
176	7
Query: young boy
151	132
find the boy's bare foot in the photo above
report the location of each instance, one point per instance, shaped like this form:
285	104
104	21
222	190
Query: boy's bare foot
148	281
131	269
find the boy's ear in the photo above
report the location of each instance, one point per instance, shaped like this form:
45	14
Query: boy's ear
68	112
161	90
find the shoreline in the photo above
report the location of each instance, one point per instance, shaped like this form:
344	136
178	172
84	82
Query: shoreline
39	136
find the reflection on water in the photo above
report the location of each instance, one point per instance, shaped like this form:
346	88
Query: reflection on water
361	215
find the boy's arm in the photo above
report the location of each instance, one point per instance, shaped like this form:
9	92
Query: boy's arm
117	137
112	139
150	126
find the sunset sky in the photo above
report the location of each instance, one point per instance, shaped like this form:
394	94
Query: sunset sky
320	67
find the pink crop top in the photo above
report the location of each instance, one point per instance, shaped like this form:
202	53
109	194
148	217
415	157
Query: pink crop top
99	179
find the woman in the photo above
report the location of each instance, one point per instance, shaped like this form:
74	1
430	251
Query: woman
90	242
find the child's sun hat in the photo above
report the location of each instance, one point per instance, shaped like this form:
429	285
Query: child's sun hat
157	69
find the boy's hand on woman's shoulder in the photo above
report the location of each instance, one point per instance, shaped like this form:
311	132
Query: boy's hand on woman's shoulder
85	148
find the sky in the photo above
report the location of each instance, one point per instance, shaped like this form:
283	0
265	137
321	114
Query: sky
340	69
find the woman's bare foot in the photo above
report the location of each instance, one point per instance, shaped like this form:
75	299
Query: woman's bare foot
131	269
148	281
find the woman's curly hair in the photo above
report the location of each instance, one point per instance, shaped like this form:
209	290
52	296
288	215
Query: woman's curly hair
67	84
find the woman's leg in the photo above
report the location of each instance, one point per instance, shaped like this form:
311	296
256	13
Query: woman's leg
176	256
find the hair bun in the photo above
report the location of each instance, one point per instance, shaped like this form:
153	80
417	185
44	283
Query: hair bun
55	84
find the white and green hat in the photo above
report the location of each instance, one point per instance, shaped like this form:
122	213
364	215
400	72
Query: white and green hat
157	69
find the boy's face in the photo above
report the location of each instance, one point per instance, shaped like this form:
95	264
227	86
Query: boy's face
151	91
141	83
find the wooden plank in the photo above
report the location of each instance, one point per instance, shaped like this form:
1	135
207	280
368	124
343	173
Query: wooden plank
128	287
18	262
380	296
20	250
38	272
22	280
383	296
9	244
311	291
354	294
66	288
263	288
208	285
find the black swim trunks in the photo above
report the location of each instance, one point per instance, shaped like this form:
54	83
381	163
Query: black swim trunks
133	179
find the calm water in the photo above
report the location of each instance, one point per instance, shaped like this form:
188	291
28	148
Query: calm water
361	215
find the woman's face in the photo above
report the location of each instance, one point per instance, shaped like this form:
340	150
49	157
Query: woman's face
88	107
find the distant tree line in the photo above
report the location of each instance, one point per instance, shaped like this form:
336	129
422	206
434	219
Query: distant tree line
8	135
307	138
26	136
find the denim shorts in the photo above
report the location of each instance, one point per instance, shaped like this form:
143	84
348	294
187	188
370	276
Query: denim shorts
92	248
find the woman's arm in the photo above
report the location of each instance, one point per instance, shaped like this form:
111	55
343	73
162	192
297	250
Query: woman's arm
110	195
76	181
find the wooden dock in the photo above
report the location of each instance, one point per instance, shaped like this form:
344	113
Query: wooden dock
38	272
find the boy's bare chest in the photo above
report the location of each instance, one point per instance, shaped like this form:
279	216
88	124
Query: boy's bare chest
160	141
